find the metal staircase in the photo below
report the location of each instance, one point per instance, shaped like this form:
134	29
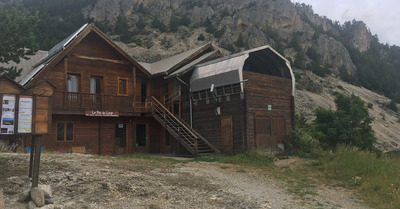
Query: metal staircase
187	136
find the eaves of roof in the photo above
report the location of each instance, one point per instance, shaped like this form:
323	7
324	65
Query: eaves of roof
61	49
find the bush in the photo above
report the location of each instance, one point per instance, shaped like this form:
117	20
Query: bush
302	144
392	105
349	124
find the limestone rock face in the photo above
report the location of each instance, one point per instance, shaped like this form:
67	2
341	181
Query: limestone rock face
358	35
334	53
256	22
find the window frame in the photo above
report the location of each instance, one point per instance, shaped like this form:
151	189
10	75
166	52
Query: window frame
65	131
78	76
126	86
101	84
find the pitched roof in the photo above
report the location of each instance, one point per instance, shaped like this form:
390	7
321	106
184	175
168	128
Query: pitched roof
179	61
25	64
189	66
61	49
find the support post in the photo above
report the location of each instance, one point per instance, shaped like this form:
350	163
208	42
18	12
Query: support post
35	179
31	157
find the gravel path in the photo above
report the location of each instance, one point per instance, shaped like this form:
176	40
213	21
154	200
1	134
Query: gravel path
84	181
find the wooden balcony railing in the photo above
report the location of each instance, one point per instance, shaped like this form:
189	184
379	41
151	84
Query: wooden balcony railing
76	101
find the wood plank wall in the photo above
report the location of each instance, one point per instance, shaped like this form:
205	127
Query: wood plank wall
261	91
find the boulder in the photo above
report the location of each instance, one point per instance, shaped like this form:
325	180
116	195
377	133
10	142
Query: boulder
37	196
48	192
31	205
24	196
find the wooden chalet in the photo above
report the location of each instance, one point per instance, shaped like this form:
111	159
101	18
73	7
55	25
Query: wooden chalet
244	101
196	102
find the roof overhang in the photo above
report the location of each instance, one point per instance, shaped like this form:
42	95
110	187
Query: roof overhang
229	70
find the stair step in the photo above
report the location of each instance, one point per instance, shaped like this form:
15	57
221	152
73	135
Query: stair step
178	128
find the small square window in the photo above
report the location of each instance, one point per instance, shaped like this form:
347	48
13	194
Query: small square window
65	131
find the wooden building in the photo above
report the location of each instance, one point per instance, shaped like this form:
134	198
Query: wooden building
244	101
104	102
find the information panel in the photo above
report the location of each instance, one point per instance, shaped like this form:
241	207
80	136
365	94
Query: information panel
7	115
25	115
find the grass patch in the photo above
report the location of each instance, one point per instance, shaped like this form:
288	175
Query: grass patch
301	188
253	158
377	179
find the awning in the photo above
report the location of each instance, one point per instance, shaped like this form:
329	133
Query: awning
221	73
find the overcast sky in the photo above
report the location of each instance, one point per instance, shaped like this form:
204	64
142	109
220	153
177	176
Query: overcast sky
382	17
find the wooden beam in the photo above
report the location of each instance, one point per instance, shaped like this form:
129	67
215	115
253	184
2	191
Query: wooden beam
134	86
101	59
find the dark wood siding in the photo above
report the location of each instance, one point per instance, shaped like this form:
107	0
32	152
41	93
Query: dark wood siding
208	124
263	92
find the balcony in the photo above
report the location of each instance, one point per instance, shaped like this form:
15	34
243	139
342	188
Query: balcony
85	101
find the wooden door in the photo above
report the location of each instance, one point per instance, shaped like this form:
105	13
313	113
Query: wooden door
227	134
262	129
277	132
269	132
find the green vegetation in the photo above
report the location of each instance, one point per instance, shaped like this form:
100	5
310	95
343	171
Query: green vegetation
377	179
392	105
17	37
252	158
349	124
157	24
58	19
349	157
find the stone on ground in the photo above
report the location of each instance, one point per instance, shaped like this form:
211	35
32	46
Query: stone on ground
37	196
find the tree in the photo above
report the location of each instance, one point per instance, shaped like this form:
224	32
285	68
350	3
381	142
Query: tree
349	124
17	39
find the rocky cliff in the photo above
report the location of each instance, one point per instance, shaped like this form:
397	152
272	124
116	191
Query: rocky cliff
234	25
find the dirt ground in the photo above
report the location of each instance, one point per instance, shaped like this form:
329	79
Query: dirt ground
86	181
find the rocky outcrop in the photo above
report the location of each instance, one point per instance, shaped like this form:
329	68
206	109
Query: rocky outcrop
334	54
358	35
256	22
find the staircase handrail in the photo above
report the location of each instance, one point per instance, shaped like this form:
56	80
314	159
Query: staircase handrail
172	97
156	102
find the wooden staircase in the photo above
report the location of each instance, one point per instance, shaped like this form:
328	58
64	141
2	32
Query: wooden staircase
185	135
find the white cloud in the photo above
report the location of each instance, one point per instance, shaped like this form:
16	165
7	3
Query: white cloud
381	16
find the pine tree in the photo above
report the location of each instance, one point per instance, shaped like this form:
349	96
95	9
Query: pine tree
17	39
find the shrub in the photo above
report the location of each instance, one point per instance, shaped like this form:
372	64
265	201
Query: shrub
302	144
392	105
349	124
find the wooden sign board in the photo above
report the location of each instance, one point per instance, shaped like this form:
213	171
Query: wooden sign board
98	113
24	114
42	115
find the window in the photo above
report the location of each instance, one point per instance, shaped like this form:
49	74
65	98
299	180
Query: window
65	131
143	92
120	135
73	83
140	135
95	85
122	86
